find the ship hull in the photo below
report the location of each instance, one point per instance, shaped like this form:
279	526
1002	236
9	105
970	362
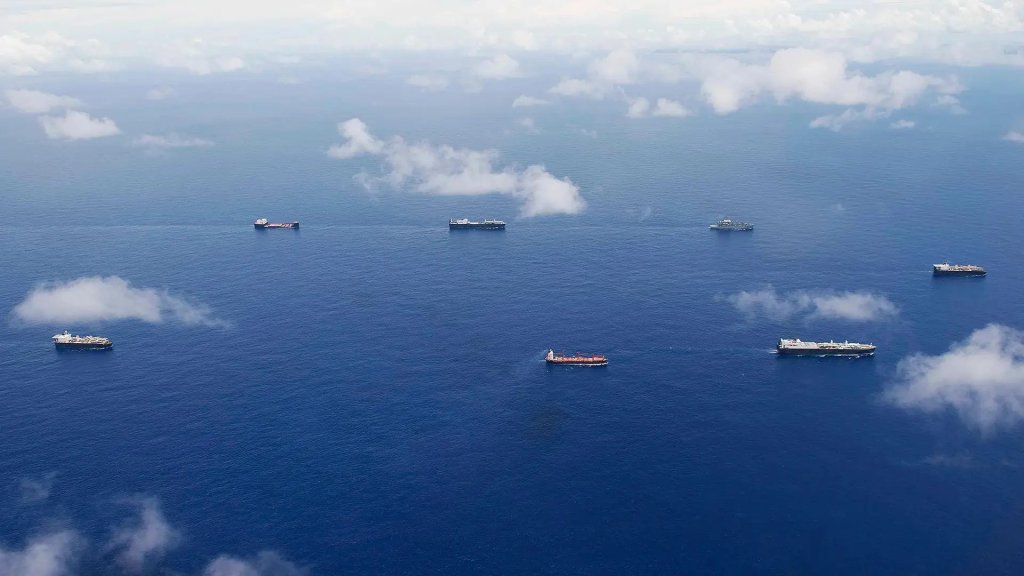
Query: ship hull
65	346
731	229
819	352
452	226
958	272
577	363
290	225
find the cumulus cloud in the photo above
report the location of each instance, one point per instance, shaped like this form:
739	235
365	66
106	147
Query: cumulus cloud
816	76
199	58
528	124
25	55
264	564
1014	136
159	93
638	108
427	81
75	125
902	125
51	554
145	541
577	87
981	379
155	142
642	108
951	103
616	68
500	67
102	299
444	170
836	122
35	490
850	306
525	101
35	102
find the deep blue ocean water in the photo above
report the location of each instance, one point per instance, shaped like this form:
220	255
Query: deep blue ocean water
379	404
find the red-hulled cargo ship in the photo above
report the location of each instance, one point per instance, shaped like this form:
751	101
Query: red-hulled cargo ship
263	224
577	359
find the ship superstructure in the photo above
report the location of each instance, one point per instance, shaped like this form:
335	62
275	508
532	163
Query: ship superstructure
727	224
467	224
798	347
576	359
68	340
947	269
264	224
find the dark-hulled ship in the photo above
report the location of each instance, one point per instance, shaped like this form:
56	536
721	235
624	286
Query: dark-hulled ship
68	341
947	269
264	224
576	359
467	224
798	347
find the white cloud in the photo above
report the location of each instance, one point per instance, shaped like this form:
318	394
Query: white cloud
638	108
850	306
981	379
577	87
529	124
145	541
264	564
25	55
836	122
902	125
75	125
444	170
428	81
93	299
1014	136
669	108
155	142
196	57
35	102
618	67
641	108
951	103
816	76
159	93
52	554
500	67
525	101
35	490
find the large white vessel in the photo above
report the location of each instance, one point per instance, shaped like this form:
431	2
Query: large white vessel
727	224
797	347
68	340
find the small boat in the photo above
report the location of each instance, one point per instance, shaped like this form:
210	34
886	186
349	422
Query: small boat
576	359
263	224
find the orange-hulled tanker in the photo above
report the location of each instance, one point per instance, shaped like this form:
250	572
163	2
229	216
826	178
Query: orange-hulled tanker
577	359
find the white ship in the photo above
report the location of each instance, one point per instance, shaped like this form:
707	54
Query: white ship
727	224
68	340
797	347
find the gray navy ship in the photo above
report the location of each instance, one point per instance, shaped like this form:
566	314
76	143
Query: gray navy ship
467	224
68	341
727	224
947	269
797	347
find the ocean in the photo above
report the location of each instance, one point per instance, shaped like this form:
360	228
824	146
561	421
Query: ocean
374	399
